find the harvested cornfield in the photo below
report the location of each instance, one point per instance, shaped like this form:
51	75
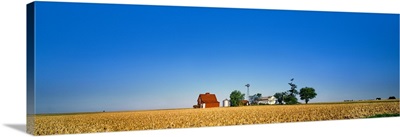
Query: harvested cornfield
184	118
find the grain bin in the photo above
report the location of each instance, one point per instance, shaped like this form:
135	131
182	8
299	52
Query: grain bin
225	103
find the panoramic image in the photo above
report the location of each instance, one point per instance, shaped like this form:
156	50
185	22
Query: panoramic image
111	67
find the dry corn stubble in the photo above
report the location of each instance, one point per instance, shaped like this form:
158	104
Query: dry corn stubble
185	118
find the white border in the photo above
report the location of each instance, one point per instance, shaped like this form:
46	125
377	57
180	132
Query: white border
12	74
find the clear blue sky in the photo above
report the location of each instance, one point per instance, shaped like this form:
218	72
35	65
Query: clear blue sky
94	57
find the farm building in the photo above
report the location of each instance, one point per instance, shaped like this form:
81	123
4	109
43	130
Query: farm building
207	100
226	103
267	100
244	102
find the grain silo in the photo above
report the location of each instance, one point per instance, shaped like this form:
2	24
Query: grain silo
225	103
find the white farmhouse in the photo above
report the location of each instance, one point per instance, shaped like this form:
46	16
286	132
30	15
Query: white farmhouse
267	100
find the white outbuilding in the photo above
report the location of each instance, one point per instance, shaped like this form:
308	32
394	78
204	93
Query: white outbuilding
267	100
225	103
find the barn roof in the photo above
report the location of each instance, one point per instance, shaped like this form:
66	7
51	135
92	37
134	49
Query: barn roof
208	98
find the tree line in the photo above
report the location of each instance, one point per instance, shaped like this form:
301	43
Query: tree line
288	97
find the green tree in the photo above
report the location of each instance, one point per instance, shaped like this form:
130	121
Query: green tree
236	96
259	95
254	98
307	93
290	95
290	99
293	91
279	96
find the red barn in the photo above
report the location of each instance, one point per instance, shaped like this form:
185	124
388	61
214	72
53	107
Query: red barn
207	100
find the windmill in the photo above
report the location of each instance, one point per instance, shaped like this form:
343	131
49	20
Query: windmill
248	93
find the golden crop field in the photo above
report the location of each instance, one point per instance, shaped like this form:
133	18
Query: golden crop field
184	118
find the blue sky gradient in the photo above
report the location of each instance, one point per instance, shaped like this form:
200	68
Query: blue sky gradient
94	57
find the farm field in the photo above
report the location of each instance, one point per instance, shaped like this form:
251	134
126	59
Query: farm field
184	118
